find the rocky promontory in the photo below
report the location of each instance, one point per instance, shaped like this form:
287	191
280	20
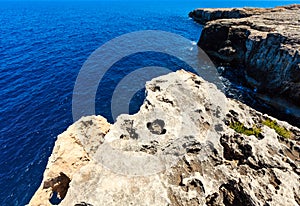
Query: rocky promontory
263	43
188	145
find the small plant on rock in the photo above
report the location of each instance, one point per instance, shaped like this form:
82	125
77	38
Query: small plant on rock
282	131
240	128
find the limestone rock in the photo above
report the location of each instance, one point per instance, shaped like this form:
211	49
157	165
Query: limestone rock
203	16
72	151
188	145
265	43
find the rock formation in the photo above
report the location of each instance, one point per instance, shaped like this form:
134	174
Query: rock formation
72	151
264	43
188	145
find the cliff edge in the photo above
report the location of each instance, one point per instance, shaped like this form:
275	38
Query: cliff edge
264	43
188	145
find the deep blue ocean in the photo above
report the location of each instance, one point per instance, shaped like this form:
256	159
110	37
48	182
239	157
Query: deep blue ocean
43	45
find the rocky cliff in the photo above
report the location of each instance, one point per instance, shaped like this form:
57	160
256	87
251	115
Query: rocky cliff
188	145
264	43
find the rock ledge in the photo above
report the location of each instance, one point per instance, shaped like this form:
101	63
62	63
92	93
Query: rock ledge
217	161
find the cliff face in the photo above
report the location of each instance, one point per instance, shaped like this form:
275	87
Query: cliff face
188	145
72	151
265	43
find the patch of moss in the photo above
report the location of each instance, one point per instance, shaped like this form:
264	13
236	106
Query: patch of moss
240	128
282	131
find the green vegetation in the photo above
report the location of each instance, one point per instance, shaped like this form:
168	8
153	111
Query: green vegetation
282	131
240	128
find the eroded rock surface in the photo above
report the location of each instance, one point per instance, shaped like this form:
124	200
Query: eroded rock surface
72	151
188	145
265	43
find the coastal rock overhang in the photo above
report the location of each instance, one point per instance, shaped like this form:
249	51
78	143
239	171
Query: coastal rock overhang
188	145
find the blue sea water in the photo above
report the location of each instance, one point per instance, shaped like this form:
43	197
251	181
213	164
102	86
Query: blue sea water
43	45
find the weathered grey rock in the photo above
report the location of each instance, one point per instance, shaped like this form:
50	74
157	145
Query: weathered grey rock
72	150
265	43
203	16
179	149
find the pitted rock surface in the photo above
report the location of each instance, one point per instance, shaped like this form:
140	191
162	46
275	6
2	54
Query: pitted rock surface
204	160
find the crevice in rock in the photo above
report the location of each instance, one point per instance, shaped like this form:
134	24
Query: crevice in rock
59	185
274	180
235	149
213	199
234	195
192	146
150	148
83	204
297	197
166	100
